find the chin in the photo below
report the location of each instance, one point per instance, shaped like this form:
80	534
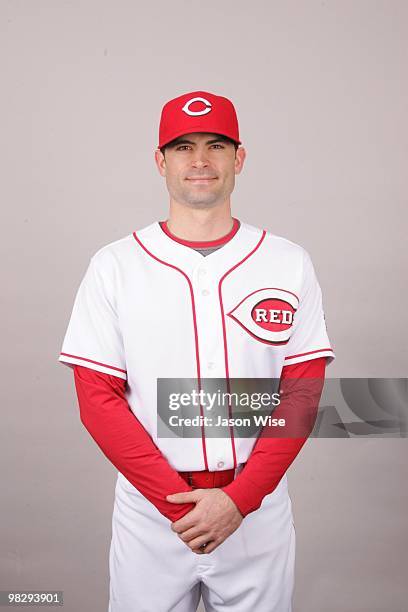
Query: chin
201	203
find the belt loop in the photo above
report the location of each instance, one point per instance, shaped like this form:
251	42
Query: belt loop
190	479
239	469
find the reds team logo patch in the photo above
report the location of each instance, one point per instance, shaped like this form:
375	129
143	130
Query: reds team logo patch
267	314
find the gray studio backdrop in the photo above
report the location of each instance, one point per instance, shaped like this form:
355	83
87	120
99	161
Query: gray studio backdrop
321	96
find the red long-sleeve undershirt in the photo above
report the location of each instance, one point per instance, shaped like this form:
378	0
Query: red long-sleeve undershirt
301	386
106	415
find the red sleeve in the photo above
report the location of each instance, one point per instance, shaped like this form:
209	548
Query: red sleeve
106	414
271	457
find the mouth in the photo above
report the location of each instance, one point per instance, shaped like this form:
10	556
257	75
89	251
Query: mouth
201	179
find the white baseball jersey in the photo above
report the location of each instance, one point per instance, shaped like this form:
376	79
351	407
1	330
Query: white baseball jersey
149	307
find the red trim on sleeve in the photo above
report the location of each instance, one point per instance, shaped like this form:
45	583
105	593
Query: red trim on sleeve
271	457
106	415
309	353
105	365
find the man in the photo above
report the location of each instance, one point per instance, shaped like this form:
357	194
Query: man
199	296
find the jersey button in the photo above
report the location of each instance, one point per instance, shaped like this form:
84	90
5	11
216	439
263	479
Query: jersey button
202	271
220	464
210	365
205	292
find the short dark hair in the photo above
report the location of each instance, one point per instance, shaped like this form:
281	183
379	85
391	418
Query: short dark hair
173	142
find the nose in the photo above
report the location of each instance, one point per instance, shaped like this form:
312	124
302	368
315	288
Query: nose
199	160
200	163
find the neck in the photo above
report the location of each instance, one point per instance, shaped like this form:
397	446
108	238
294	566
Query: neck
199	225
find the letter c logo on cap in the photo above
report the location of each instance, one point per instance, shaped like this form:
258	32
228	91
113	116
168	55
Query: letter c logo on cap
206	110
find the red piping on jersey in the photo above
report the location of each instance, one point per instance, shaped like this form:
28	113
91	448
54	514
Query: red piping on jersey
310	353
165	263
224	333
105	365
202	243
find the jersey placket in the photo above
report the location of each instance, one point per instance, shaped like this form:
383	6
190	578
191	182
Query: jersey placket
212	365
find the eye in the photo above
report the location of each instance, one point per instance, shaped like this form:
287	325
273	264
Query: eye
181	147
218	145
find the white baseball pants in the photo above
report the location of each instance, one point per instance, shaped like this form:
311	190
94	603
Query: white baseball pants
152	570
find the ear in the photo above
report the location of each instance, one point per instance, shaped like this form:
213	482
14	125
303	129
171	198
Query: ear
240	156
160	162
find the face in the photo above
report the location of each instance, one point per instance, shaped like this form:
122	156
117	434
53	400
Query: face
200	169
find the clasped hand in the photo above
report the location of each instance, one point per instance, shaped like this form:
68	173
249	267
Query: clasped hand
213	519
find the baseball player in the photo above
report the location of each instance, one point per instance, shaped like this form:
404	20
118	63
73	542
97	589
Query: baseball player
200	295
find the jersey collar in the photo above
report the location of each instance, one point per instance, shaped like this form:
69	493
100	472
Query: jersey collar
161	247
203	244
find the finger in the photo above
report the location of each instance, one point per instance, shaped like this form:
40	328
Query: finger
210	547
196	543
187	497
188	521
189	534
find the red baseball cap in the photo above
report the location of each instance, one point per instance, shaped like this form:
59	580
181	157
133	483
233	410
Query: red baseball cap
198	111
